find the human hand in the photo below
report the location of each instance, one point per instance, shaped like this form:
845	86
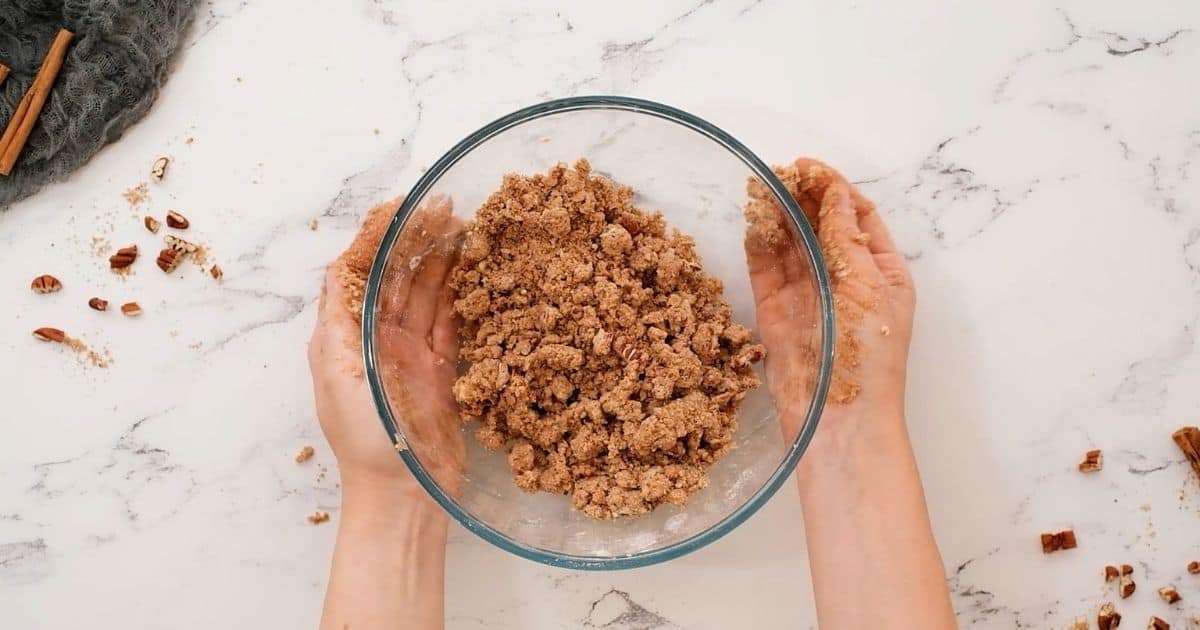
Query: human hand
874	301
417	348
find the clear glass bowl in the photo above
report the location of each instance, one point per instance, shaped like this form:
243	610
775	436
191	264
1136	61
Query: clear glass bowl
696	175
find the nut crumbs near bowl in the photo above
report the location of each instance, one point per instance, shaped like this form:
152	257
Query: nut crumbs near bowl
601	355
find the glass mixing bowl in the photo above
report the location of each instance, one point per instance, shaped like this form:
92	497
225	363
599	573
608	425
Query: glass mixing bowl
696	175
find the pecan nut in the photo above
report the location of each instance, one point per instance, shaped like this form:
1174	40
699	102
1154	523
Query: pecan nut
151	224
1093	461
1052	542
176	220
168	260
45	283
1109	618
123	258
179	245
98	304
131	309
159	169
50	334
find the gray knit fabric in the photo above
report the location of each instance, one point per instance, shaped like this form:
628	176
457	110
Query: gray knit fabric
112	73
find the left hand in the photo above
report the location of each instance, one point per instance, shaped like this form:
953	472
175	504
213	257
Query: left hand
417	353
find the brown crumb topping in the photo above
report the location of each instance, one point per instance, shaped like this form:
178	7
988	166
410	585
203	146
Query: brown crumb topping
316	518
601	355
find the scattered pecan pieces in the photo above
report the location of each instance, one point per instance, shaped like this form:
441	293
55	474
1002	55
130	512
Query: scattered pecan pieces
98	304
151	224
1126	587
159	169
45	283
1111	573
316	518
132	309
1188	440
305	454
216	272
1194	567
1169	594
1052	542
1108	618
1158	624
123	258
180	245
168	260
176	220
1092	461
50	334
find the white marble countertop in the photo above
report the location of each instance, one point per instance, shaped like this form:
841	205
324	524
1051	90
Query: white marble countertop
1040	166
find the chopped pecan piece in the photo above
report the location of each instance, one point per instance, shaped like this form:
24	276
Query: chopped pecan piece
1169	594
50	334
45	283
177	221
1092	461
123	258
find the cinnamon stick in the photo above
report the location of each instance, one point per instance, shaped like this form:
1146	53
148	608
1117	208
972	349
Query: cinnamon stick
1188	440
4	70
30	107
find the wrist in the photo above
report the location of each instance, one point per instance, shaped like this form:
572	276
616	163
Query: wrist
372	501
853	450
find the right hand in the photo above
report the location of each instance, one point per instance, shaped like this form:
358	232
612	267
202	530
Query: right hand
874	303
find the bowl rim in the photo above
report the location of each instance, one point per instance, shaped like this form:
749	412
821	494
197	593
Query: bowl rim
816	406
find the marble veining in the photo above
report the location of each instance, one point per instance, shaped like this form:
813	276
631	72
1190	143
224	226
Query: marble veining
1038	165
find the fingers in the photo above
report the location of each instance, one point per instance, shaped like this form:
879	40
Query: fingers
414	243
846	252
336	336
433	262
444	336
361	253
880	240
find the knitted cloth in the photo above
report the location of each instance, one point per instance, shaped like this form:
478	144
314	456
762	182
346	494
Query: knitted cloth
111	75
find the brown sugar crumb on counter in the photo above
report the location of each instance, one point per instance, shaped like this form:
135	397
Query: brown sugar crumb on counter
601	355
316	518
305	454
1093	461
137	195
1052	542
